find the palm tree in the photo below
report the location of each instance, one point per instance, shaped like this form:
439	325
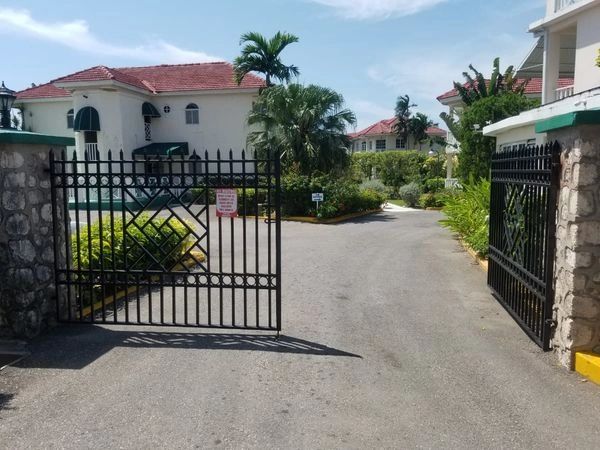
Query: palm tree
306	123
403	114
477	88
418	125
263	55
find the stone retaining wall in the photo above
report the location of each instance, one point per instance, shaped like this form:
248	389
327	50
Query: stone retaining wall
577	270
27	293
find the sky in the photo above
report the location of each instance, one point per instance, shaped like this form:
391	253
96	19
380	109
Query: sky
371	51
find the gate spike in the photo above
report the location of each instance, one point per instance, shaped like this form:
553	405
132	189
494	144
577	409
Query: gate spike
74	155
121	154
206	154
218	153
85	155
194	155
109	154
243	154
63	154
230	153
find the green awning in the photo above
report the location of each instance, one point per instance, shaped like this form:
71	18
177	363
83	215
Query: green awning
87	119
162	149
148	110
571	119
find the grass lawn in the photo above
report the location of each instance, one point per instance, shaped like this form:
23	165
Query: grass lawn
397	202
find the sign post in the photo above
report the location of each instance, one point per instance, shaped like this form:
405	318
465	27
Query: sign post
317	197
227	203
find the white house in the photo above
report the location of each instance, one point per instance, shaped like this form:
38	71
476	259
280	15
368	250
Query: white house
382	136
155	110
567	47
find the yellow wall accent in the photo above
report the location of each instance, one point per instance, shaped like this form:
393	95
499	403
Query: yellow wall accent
588	365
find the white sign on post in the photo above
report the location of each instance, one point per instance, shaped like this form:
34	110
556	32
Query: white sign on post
317	197
227	203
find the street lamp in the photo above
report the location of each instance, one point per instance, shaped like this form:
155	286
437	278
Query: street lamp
7	98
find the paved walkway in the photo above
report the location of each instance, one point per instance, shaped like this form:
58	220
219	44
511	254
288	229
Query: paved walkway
391	340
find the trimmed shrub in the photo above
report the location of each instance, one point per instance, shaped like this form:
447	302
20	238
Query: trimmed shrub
467	214
410	193
394	167
431	200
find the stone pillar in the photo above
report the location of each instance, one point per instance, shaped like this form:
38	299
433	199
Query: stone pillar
577	269
27	289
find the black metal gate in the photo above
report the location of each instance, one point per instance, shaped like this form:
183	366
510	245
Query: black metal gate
146	243
523	210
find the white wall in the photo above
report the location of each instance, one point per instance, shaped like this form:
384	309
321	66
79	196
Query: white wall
48	117
222	124
587	74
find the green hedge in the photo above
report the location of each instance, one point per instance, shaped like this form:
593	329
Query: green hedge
341	197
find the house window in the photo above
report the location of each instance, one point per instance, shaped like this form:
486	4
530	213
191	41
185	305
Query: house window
380	144
148	128
363	146
400	143
192	115
167	109
370	145
70	118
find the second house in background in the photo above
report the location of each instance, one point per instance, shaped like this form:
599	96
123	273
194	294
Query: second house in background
383	136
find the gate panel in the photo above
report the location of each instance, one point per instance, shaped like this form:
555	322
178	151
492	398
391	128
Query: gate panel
523	209
146	246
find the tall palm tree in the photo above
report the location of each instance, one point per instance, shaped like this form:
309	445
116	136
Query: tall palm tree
263	55
403	114
306	123
418	125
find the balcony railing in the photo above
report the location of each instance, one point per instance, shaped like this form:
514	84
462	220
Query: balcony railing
562	4
564	92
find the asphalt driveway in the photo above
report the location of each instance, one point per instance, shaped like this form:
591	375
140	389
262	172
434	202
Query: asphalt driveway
391	340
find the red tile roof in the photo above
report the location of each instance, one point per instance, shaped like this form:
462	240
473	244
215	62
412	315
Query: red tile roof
534	86
163	78
47	90
386	126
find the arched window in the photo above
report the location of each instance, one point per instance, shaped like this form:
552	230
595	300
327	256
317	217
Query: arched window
192	115
70	118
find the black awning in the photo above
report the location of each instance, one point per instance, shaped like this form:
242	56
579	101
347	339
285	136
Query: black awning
87	119
162	149
148	110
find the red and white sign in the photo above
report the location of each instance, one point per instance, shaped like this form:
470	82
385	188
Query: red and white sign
227	203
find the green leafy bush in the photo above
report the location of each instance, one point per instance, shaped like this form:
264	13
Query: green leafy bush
147	240
394	167
375	185
254	200
434	184
431	200
467	214
410	193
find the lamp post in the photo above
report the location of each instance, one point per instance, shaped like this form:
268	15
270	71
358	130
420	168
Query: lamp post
7	98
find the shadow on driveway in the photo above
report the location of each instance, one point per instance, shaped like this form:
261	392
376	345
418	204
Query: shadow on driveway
76	346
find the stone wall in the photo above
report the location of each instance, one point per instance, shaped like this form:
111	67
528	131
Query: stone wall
577	270
27	292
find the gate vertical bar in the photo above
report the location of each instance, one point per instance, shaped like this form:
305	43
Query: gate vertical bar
278	239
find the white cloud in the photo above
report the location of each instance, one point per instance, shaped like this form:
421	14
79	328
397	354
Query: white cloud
424	77
368	112
77	35
377	9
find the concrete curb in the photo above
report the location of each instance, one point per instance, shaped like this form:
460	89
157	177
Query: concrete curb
481	262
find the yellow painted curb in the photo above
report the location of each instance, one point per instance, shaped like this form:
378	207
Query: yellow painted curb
481	262
333	220
190	262
587	364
